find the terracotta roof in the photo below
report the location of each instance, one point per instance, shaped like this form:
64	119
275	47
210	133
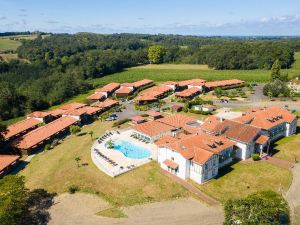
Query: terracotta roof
56	112
75	112
106	104
267	118
137	118
72	106
90	110
153	128
7	160
176	106
153	93
222	83
170	83
170	164
177	120
124	90
141	83
210	123
191	82
262	139
154	114
20	127
39	114
42	133
109	87
165	140
96	96
188	92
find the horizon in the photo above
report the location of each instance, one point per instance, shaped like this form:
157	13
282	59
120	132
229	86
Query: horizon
196	18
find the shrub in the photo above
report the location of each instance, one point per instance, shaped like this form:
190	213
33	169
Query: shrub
72	189
255	156
47	147
75	129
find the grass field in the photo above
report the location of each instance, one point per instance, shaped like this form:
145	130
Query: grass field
7	44
241	179
56	169
288	148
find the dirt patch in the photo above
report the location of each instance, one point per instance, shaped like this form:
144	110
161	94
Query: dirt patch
81	209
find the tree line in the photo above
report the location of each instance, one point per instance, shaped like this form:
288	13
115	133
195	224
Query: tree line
59	66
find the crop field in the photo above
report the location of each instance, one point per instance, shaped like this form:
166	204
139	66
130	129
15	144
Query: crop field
7	44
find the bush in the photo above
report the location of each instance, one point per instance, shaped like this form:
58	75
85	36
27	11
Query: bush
199	112
75	129
47	147
255	156
120	122
72	189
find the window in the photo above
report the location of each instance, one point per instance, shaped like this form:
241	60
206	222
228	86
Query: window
172	158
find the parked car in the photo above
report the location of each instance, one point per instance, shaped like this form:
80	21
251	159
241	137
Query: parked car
118	110
224	101
113	115
111	118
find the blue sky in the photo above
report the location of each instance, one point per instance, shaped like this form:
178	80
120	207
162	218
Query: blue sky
202	17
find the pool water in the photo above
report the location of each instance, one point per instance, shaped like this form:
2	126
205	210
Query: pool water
131	150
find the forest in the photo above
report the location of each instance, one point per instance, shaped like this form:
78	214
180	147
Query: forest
59	66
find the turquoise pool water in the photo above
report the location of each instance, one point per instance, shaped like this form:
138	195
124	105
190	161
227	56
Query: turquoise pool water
131	150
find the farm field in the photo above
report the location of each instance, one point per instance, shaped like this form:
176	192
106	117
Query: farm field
7	44
55	170
243	178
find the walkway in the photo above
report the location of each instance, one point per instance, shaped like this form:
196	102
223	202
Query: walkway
293	195
207	199
279	162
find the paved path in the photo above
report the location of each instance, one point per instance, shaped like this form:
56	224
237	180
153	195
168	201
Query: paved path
293	195
207	199
279	162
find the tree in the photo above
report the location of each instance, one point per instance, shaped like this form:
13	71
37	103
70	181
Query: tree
2	133
13	196
91	133
75	129
265	207
77	159
273	89
156	54
276	71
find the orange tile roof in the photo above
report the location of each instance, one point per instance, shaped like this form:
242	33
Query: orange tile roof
153	128
262	139
222	83
72	106
20	127
154	113
42	133
170	164
153	93
141	83
267	118
109	87
106	104
188	92
7	160
56	112
39	114
75	112
195	82
90	110
124	90
177	120
96	96
165	140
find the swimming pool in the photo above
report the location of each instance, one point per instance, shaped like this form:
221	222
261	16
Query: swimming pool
131	150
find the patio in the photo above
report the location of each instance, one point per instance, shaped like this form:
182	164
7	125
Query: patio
114	162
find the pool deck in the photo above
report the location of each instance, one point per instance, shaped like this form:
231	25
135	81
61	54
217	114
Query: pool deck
125	164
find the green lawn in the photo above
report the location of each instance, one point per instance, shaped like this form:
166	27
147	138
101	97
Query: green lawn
288	148
56	169
7	44
241	179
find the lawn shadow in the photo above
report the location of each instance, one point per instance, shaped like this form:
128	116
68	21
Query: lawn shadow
37	204
226	169
82	134
19	167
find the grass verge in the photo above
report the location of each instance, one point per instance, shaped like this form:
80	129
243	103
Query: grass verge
113	212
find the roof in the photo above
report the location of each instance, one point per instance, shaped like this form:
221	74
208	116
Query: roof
137	118
170	83
56	112
108	88
90	110
39	114
153	93
106	104
262	139
188	92
200	147
20	127
165	140
124	90
176	106
195	82
75	112
96	96
177	120
266	118
222	83
153	128
42	133
7	160
154	114
72	106
170	164
141	83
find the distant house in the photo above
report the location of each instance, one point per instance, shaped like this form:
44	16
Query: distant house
124	92
294	85
44	117
106	105
44	134
222	83
188	93
20	128
176	108
198	83
154	94
97	97
108	89
171	84
154	115
7	162
138	119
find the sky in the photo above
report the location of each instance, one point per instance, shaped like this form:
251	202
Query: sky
189	17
